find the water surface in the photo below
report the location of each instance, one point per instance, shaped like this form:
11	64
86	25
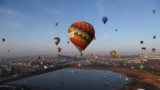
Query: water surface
76	79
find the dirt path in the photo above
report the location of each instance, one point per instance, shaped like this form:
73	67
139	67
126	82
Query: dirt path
142	79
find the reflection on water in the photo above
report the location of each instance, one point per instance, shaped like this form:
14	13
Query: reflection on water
76	79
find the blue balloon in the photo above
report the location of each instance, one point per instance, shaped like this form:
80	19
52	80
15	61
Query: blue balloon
104	20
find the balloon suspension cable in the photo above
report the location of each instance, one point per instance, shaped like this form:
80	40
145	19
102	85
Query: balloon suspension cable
58	54
81	53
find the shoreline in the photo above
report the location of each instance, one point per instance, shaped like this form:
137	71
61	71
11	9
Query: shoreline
32	74
140	78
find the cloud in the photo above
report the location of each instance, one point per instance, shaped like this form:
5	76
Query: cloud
49	9
11	19
100	7
53	11
11	13
12	24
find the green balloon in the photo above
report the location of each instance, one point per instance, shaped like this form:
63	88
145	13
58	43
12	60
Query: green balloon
141	67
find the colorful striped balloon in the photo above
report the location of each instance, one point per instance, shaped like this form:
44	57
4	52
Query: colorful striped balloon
81	34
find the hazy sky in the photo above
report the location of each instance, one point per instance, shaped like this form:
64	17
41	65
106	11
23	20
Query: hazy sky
29	26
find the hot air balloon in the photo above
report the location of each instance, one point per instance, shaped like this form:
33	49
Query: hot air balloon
104	20
3	39
153	49
56	23
154	37
141	67
116	30
81	34
141	41
143	48
153	11
56	40
96	57
59	50
113	53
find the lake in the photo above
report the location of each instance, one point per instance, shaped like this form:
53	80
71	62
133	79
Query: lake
76	79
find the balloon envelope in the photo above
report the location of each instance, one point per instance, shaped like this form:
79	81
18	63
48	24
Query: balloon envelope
154	37
56	40
96	57
3	39
153	49
143	48
154	11
104	20
113	53
56	24
81	34
116	30
59	49
141	42
141	67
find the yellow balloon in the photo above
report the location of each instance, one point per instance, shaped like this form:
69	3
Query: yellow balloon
113	53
